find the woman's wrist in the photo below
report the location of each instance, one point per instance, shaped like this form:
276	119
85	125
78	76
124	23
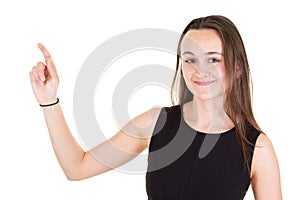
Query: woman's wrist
50	104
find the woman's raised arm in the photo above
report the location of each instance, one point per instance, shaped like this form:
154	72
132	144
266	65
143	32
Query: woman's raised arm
77	164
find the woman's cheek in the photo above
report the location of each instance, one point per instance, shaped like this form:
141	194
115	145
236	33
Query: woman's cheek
184	73
222	75
187	73
221	71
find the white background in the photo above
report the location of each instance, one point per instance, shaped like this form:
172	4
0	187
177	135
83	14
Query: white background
71	30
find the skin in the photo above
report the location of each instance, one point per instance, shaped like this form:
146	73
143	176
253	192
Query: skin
206	114
204	73
77	164
209	101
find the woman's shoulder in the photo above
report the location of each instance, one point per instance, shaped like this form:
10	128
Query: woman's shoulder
264	141
148	117
265	168
151	115
142	125
253	133
171	109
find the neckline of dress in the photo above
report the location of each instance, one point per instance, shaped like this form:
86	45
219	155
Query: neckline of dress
201	132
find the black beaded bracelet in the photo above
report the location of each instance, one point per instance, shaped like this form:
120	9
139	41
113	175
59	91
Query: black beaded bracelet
51	104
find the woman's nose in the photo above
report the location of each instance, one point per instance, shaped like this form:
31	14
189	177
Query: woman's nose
202	73
202	70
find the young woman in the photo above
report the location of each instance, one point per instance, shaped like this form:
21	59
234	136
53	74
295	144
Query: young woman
206	146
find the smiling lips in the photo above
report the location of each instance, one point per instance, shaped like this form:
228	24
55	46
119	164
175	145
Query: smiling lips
203	83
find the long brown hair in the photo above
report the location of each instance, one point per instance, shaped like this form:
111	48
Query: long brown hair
238	105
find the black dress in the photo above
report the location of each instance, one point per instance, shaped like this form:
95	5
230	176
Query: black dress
184	164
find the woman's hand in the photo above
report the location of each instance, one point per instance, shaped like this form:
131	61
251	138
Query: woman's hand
44	79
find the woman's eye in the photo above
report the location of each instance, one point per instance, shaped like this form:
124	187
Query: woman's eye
213	60
190	61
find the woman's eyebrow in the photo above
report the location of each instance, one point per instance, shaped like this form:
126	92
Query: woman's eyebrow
188	52
213	52
207	53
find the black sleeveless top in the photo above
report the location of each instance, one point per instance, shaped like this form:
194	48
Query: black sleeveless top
184	164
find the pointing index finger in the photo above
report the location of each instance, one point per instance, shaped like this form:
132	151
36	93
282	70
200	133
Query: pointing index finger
44	51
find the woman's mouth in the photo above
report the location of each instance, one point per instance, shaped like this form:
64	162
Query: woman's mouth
203	83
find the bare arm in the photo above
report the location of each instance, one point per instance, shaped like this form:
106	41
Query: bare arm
121	148
265	179
77	164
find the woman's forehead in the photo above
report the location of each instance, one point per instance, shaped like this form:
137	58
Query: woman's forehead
201	41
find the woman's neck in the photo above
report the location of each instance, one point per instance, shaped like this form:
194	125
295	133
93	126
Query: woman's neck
207	115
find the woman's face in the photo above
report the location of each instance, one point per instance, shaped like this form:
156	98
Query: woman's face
203	64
